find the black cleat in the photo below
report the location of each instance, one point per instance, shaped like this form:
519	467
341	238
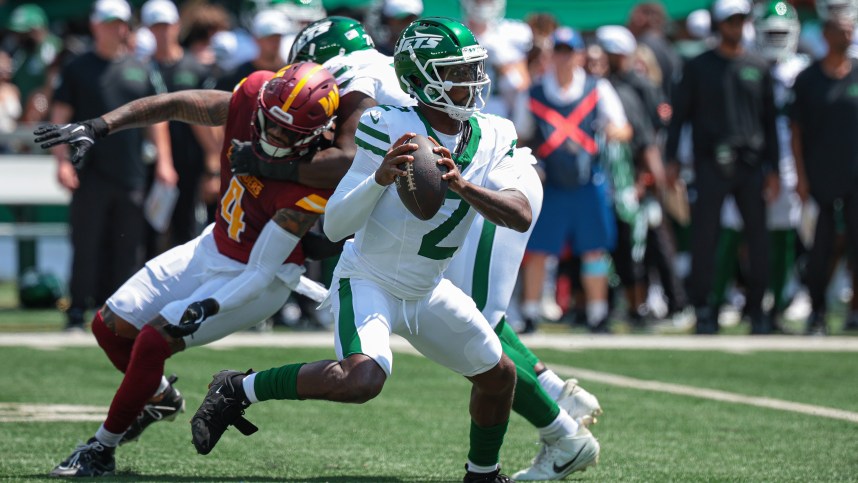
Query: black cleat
223	406
164	410
493	477
816	324
87	460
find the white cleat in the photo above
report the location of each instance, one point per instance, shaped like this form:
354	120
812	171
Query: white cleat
567	455
581	406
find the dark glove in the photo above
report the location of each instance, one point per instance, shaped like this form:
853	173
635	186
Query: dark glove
244	161
80	136
193	318
318	247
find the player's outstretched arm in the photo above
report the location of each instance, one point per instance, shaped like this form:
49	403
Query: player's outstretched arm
207	107
275	243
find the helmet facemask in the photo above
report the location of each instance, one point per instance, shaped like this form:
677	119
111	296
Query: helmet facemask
289	141
442	75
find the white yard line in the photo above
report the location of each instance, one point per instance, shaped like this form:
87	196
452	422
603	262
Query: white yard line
740	343
713	394
48	412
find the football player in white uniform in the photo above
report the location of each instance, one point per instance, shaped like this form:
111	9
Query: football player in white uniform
777	33
389	278
486	268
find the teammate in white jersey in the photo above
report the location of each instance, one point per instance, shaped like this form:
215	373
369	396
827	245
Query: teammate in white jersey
389	278
486	268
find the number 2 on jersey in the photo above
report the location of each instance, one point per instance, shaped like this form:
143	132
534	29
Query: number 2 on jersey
231	210
429	245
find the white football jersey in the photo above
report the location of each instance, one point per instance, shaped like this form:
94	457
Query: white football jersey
403	254
486	268
371	72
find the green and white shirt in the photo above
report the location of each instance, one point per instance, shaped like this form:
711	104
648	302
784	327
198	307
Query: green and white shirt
392	247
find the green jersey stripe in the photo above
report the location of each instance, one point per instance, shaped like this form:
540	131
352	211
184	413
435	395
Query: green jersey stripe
369	147
374	133
482	263
349	339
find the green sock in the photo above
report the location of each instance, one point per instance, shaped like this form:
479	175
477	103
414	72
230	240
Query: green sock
726	256
531	401
508	336
782	244
486	443
278	383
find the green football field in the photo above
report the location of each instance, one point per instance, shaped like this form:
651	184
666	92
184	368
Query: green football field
768	415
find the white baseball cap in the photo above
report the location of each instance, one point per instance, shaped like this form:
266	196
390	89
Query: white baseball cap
724	9
699	23
107	10
616	39
271	22
402	8
159	11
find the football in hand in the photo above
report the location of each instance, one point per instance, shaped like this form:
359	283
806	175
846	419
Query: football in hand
422	190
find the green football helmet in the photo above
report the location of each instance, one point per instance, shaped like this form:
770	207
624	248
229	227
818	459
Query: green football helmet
435	54
325	39
777	29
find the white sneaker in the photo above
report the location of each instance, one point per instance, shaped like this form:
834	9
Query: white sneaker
582	406
557	460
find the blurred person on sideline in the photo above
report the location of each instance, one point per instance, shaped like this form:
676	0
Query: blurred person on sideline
108	188
647	22
195	149
393	17
542	25
507	42
726	94
10	101
642	234
824	114
269	27
777	32
200	21
34	52
570	112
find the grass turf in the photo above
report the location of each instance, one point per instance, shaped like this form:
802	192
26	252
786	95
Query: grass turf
416	430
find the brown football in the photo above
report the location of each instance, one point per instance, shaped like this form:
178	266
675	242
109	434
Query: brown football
422	190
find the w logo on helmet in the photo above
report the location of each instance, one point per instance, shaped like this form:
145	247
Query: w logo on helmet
331	102
418	42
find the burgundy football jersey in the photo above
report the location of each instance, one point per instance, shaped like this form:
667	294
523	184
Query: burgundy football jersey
248	202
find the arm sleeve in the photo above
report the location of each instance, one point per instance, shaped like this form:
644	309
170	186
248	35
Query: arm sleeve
610	108
272	247
357	194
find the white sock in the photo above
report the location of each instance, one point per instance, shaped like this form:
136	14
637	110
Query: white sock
482	469
563	425
551	383
107	438
249	391
530	309
165	384
597	310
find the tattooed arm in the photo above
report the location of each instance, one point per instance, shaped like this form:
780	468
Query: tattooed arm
195	106
207	107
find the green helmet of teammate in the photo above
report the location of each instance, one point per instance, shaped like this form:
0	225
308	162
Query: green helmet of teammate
777	29
325	39
436	54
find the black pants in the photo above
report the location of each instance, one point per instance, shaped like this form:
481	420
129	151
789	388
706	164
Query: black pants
822	256
706	197
107	235
660	254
